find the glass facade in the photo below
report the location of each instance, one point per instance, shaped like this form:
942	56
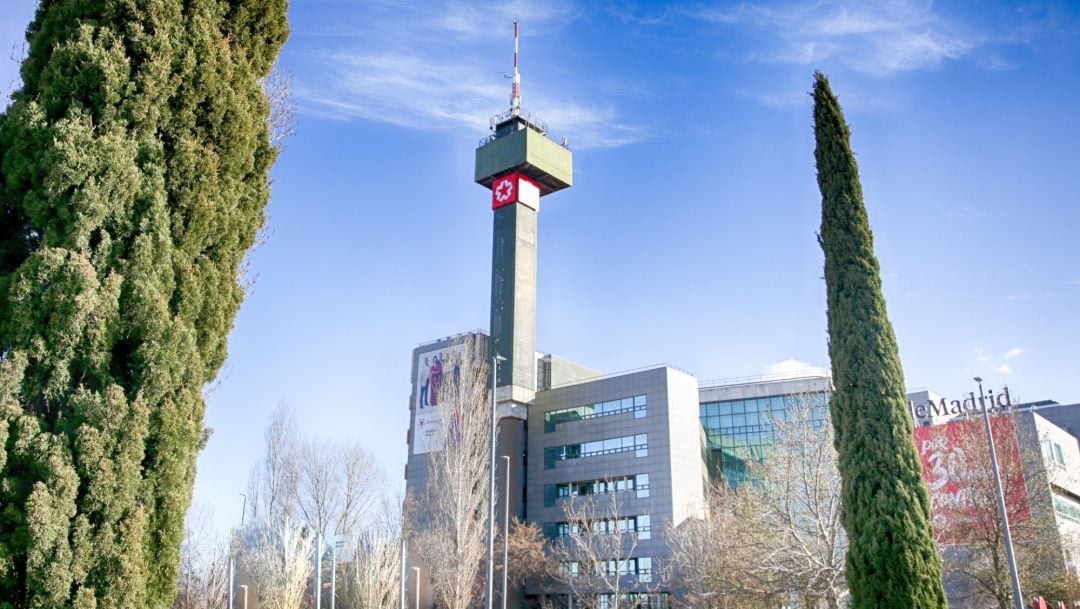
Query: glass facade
741	432
638	443
635	404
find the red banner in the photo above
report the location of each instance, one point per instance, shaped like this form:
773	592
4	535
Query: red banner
957	470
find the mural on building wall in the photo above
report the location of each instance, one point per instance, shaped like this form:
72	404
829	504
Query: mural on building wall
433	369
956	468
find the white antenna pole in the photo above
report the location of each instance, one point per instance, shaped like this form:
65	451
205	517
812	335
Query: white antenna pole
515	98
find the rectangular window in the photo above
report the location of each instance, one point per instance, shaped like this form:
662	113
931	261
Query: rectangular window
635	404
641	445
642	485
551	493
1070	510
644	569
638	443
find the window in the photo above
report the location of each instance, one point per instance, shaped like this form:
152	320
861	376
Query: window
640	567
642	485
738	431
1066	508
638	443
639	525
635	404
639	483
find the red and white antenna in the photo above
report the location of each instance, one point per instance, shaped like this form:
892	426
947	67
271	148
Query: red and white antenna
515	96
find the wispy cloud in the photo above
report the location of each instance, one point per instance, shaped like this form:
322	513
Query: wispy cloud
879	37
1003	369
437	72
1014	353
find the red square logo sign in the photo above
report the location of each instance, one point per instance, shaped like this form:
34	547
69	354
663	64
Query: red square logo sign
504	191
514	188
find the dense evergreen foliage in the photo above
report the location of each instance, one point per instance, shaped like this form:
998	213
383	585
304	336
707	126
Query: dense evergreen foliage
892	561
135	165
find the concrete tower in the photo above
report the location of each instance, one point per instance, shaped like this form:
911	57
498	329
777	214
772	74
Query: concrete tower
520	165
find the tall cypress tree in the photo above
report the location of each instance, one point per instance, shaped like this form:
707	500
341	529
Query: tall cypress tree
135	164
892	561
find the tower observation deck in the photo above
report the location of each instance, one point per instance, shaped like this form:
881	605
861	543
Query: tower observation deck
520	164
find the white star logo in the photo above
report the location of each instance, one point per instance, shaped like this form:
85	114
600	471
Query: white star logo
504	190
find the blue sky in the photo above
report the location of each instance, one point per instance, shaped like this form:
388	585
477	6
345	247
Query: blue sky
689	235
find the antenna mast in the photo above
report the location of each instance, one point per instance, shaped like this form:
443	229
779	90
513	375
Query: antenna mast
515	97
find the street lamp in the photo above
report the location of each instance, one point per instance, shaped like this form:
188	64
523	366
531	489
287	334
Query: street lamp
1018	599
333	567
401	593
506	527
232	568
417	576
495	359
318	570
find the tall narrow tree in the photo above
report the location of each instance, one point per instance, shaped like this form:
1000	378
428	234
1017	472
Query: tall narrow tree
892	561
135	164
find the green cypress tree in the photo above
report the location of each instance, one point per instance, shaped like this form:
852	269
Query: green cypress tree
892	561
134	169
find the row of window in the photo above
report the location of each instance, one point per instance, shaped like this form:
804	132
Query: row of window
635	404
640	567
638	443
1067	508
773	404
627	600
638	483
639	525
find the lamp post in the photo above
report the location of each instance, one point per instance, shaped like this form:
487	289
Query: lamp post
318	570
506	528
495	359
1018	599
245	589
333	571
232	569
417	576
401	593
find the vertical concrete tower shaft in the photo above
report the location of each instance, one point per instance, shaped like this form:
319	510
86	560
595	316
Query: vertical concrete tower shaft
513	297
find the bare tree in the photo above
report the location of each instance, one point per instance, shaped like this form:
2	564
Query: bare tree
277	556
528	554
778	536
204	557
339	484
715	561
594	552
970	527
327	488
800	499
449	514
282	119
274	481
372	572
